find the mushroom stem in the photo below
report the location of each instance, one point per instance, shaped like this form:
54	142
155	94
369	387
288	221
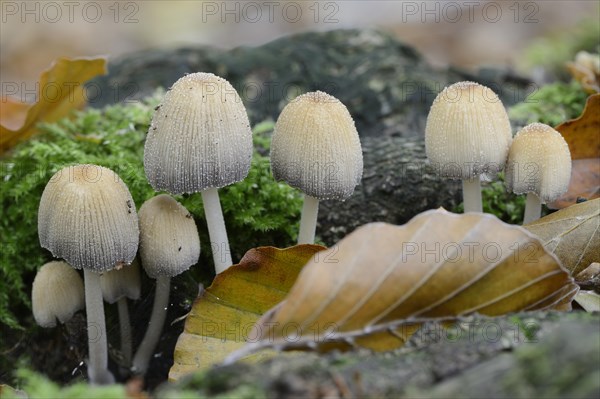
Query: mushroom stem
308	220
97	346
142	357
472	195
533	208
125	324
216	230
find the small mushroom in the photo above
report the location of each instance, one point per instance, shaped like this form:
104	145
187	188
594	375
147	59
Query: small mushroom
57	293
169	245
539	164
200	140
468	134
117	285
316	149
83	218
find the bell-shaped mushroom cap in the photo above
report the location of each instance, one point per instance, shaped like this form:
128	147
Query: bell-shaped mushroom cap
87	217
123	282
199	138
57	293
315	147
539	162
468	132
169	242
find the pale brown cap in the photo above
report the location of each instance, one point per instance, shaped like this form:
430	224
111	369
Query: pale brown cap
315	147
57	293
87	217
539	162
199	138
169	242
468	132
121	283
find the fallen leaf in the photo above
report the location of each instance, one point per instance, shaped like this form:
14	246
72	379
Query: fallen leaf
387	279
582	136
60	90
589	278
586	70
585	183
572	234
223	315
588	300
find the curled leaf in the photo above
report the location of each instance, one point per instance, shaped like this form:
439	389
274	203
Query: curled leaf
223	315
572	234
60	90
385	280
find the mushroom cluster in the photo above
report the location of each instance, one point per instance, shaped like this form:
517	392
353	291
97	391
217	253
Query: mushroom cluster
468	134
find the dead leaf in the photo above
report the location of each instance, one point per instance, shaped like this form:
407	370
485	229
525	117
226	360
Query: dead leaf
589	278
586	70
585	183
387	279
572	234
60	91
588	300
582	136
225	312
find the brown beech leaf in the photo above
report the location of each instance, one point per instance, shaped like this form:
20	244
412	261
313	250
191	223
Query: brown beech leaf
584	143
60	90
387	279
223	315
572	234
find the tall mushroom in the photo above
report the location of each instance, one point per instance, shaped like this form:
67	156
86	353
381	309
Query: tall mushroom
200	140
169	245
316	149
539	164
87	217
57	293
118	285
468	134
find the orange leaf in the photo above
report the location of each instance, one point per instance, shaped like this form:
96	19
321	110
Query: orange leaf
226	311
584	143
582	133
60	90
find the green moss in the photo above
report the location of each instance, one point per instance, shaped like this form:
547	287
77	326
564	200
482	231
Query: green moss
506	206
551	104
37	386
257	211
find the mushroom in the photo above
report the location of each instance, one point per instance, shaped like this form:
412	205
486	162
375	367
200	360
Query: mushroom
200	140
117	285
468	134
169	245
539	164
316	149
87	217
57	293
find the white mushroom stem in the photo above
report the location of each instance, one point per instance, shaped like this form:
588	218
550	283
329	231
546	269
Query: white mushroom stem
125	324
308	220
533	208
142	357
97	346
216	230
472	195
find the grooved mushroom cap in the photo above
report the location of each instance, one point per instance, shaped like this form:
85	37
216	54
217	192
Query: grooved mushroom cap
315	147
57	293
169	242
87	217
199	138
539	162
468	132
124	282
